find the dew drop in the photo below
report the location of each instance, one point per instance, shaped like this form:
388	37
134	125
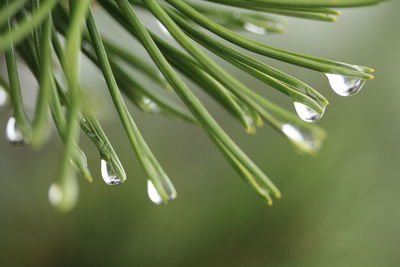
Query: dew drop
64	195
248	119
305	113
304	140
250	124
13	135
345	85
55	194
151	105
164	30
108	174
153	194
250	27
3	97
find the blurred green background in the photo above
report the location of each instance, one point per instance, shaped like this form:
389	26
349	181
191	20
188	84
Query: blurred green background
339	208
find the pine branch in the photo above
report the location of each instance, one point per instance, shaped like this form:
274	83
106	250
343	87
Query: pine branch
31	30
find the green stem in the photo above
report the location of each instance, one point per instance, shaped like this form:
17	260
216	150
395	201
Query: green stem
296	89
318	64
263	184
39	124
146	157
22	122
9	9
70	62
17	33
90	125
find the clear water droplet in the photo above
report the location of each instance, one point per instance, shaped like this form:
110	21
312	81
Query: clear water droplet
250	124
302	139
108	174
250	27
3	97
346	85
64	195
153	193
55	194
249	119
164	30
305	113
13	135
151	105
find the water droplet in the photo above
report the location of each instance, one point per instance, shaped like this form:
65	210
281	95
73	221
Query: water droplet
305	113
3	97
13	135
153	193
248	119
345	85
151	105
250	27
164	30
64	195
55	194
304	140
250	124
108	173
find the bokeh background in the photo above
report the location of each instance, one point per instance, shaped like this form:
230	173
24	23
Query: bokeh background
339	208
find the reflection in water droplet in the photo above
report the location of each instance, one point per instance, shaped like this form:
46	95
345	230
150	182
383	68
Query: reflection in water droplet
305	113
3	97
250	27
13	135
153	194
304	140
108	174
345	85
164	30
151	105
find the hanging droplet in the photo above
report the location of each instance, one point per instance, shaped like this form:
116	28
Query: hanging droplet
304	140
305	113
164	30
55	194
13	135
150	105
64	195
346	85
250	27
3	97
108	173
250	124
153	193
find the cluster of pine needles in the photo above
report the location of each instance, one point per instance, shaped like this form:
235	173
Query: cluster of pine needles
49	37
